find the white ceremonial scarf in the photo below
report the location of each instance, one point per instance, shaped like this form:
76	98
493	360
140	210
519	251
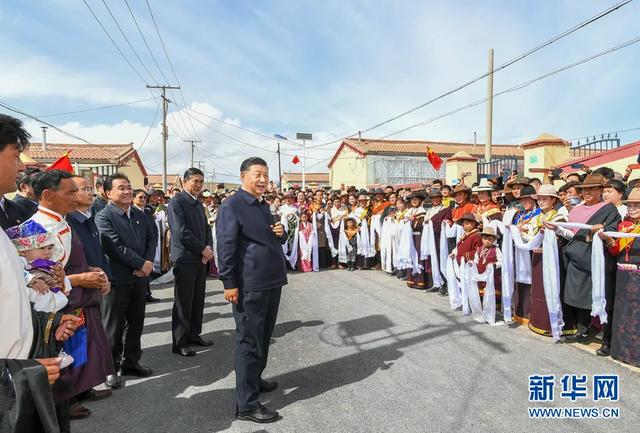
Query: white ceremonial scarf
407	254
551	282
444	249
292	256
428	249
343	244
523	258
55	223
455	295
376	227
507	259
314	243
598	299
327	231
15	311
386	246
485	311
364	245
307	246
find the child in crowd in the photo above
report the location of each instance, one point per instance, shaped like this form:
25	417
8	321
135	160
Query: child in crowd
489	254
470	241
305	241
351	231
35	246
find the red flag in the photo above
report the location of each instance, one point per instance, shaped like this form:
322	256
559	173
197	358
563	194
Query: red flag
434	159
62	163
295	159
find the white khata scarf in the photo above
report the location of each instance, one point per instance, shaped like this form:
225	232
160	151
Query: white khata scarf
407	254
523	258
291	256
598	300
386	246
428	249
486	311
376	227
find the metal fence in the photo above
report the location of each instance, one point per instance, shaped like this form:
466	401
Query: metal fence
404	170
594	145
497	167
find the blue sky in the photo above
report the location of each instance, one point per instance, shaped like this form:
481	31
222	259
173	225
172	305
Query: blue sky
330	68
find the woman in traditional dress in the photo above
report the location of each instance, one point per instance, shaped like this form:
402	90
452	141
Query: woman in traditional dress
625	328
400	218
305	243
524	221
416	215
548	202
336	214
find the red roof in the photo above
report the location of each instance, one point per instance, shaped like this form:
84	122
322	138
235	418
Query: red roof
603	158
309	177
415	147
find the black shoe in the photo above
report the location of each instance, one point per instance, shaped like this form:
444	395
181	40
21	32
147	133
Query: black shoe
260	415
136	370
443	291
604	350
78	411
267	386
151	299
97	395
202	342
184	351
113	381
433	289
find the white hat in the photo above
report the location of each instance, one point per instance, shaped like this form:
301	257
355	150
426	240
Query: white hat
483	186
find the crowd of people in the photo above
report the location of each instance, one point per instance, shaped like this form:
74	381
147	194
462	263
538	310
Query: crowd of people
77	260
564	262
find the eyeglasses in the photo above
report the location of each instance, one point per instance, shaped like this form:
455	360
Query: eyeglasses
87	189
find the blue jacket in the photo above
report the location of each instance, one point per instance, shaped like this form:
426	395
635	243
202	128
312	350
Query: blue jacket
250	256
85	229
190	232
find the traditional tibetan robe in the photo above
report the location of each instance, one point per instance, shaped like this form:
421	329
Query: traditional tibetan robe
467	246
436	215
625	339
324	252
399	220
56	224
417	214
525	221
305	241
538	312
336	216
461	210
577	255
314	206
377	208
485	257
352	250
363	260
490	211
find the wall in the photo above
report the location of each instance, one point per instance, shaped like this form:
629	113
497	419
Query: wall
133	172
349	168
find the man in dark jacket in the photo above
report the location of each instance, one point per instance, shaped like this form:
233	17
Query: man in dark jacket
25	198
128	241
191	250
101	197
10	214
252	269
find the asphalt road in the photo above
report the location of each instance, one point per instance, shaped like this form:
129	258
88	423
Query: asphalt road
359	352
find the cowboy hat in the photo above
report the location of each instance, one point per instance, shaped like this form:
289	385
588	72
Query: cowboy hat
634	196
528	191
546	191
418	193
461	188
379	191
435	193
483	186
518	181
591	180
466	217
350	218
489	231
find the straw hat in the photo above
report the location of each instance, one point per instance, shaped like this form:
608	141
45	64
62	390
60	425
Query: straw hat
489	231
466	217
483	186
593	179
546	191
418	193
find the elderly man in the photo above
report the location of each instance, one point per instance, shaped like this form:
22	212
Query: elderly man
252	269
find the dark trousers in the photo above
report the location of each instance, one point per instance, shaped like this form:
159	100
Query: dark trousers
188	303
125	305
255	316
579	316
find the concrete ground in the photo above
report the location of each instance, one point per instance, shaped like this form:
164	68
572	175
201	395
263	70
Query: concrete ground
359	352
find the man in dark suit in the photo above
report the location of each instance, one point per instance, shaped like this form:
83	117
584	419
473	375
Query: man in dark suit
191	250
10	214
101	199
25	198
252	269
128	241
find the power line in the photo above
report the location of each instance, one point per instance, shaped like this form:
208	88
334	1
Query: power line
503	66
519	86
173	71
153	122
104	107
135	53
126	59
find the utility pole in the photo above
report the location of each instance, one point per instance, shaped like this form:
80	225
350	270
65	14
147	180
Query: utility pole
165	130
44	137
279	169
304	137
193	147
489	139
